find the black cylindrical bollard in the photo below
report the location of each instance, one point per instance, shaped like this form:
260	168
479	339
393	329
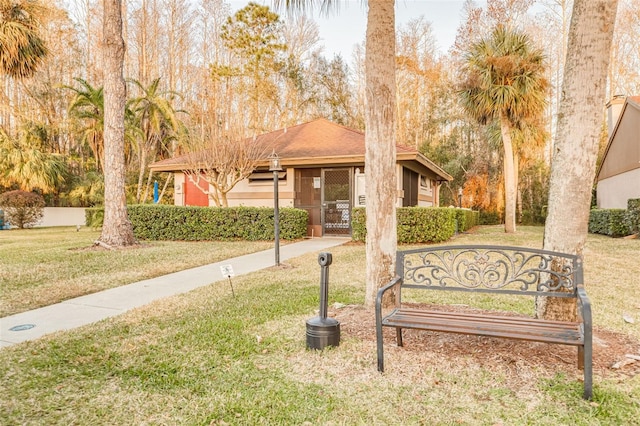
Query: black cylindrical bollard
323	331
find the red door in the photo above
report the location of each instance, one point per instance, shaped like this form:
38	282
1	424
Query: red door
193	196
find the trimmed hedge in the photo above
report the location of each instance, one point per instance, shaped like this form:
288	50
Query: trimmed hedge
467	219
420	224
490	217
609	222
188	223
424	224
632	217
358	224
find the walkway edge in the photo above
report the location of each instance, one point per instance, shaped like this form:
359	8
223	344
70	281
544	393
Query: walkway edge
94	307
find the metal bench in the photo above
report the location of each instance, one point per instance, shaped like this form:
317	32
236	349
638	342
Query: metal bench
496	270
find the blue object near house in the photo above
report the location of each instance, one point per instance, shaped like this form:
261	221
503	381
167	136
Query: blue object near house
3	224
155	191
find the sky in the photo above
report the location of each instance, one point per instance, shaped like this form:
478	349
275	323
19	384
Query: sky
343	29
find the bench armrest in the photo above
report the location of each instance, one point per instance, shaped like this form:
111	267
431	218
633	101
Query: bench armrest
392	284
584	307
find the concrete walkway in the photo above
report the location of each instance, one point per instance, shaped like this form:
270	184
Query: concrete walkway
94	307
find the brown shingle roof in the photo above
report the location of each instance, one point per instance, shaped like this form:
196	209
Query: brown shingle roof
321	141
318	138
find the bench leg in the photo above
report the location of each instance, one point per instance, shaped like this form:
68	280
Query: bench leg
581	357
588	368
399	336
379	344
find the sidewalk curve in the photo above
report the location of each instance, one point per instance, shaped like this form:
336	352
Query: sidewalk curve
94	307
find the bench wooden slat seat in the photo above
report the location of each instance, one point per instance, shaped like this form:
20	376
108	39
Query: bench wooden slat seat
498	270
488	325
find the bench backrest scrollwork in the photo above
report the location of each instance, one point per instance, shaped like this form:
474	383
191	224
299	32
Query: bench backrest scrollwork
491	269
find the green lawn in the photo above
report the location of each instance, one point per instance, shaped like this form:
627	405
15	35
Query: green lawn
206	358
42	266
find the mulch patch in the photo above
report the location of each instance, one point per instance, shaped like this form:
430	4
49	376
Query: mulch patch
610	349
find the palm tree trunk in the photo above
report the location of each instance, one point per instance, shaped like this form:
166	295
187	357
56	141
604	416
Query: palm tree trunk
509	177
576	148
380	150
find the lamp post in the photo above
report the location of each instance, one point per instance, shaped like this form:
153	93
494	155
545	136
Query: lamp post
276	167
460	197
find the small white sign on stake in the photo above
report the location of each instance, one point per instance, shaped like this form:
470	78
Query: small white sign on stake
227	271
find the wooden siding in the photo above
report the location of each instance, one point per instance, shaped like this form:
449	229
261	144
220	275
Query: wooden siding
623	151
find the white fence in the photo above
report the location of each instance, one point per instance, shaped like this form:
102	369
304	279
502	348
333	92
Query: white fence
62	216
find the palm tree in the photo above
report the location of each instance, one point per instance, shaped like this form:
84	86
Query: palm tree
157	122
88	107
22	49
504	82
529	138
24	162
380	141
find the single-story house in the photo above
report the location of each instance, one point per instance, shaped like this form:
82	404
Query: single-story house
324	172
618	177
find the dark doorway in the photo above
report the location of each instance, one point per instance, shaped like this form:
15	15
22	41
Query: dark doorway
410	182
336	201
309	198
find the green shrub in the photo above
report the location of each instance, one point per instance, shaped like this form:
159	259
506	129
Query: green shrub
93	217
609	222
415	224
21	208
533	217
632	217
358	224
466	219
490	217
187	223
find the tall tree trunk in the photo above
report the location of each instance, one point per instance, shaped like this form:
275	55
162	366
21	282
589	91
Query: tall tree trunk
516	171
116	229
579	121
509	177
147	187
380	151
164	187
142	166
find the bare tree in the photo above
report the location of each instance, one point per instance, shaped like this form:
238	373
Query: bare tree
624	70
419	78
217	162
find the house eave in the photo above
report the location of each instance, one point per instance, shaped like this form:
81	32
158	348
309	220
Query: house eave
350	160
424	161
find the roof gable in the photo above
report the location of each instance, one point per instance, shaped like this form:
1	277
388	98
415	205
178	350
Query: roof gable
622	153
